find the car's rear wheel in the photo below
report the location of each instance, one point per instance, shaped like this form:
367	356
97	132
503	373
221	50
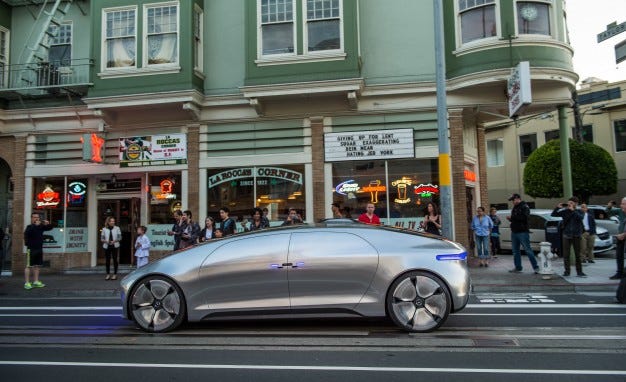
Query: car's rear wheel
418	302
157	304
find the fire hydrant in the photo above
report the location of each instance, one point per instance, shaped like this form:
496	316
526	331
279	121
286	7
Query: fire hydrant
545	260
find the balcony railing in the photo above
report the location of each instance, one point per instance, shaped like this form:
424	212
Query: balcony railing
45	76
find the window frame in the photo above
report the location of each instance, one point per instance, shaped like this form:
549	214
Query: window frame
522	157
104	39
71	43
305	32
299	25
4	80
145	59
294	22
459	25
198	41
498	163
615	137
551	19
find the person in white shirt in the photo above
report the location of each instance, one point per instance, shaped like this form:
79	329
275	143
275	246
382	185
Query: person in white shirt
110	238
142	246
588	238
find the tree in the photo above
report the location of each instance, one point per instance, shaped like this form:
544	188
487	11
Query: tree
593	171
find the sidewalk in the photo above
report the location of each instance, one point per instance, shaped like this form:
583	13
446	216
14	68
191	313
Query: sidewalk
495	278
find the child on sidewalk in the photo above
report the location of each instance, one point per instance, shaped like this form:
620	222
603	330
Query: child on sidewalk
142	246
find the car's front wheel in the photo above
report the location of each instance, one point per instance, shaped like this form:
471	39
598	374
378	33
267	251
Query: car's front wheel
418	302
157	304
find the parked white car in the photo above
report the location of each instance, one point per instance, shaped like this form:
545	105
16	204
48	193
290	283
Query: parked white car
539	222
610	223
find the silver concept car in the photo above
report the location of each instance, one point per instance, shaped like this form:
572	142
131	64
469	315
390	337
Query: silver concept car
332	270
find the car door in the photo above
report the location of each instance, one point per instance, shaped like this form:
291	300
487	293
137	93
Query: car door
537	228
329	269
246	274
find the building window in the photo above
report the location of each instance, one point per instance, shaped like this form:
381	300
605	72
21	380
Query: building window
277	27
161	34
198	30
528	144
495	153
533	17
60	41
620	135
242	189
399	189
323	25
586	131
4	57
552	134
478	19
165	198
120	38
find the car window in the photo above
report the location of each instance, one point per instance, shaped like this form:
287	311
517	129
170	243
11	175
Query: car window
599	214
536	222
330	244
251	249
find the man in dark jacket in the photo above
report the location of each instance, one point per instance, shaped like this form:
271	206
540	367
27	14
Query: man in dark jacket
621	236
520	234
33	239
572	232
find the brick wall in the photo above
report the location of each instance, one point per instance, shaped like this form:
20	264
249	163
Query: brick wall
18	167
482	167
193	163
317	153
457	157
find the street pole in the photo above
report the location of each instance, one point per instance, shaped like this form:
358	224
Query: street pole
445	178
566	164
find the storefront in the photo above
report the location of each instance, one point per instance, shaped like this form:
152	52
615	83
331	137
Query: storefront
379	167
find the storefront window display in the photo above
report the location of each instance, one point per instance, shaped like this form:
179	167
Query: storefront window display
400	189
241	189
63	201
164	198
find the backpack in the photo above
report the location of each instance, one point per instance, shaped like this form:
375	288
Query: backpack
621	291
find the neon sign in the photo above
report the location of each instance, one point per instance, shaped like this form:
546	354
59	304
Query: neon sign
48	197
426	190
76	192
374	188
344	188
401	186
469	175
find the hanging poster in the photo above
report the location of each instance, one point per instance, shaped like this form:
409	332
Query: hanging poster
154	150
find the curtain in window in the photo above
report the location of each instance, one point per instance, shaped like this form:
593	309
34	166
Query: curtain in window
121	52
162	49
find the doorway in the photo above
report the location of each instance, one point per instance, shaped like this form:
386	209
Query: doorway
127	214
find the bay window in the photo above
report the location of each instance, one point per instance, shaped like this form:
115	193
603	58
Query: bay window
323	25
478	19
277	27
120	38
161	34
533	17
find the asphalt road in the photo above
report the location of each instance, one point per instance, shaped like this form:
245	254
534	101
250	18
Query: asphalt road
517	337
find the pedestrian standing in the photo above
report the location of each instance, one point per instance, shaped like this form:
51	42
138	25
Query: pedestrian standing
111	236
176	229
292	218
189	230
336	209
258	222
482	225
142	246
572	232
494	238
228	227
33	239
520	234
208	232
369	217
621	236
588	238
432	219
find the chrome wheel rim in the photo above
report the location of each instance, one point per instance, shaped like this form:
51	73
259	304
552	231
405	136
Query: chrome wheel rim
419	302
155	305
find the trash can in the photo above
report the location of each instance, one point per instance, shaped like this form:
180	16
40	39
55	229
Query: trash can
553	235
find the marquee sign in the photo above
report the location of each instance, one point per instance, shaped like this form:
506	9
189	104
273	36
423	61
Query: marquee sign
368	145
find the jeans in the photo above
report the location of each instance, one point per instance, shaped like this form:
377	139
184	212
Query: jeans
111	252
495	245
523	239
568	242
482	246
619	256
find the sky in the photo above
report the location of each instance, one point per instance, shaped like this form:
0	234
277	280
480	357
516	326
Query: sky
587	18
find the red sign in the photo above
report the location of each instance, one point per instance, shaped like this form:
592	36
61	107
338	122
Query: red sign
426	189
48	198
469	175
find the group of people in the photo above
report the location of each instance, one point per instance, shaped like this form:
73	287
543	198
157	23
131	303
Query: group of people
111	236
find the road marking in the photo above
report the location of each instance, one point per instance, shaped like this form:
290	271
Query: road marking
58	315
542	314
546	306
60	308
314	368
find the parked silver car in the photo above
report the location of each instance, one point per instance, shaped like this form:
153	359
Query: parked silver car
326	269
610	223
540	221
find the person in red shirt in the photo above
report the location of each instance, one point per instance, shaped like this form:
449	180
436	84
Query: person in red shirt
369	217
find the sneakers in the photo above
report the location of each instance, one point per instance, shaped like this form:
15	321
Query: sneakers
566	273
107	277
515	270
38	284
616	276
28	286
536	271
581	274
